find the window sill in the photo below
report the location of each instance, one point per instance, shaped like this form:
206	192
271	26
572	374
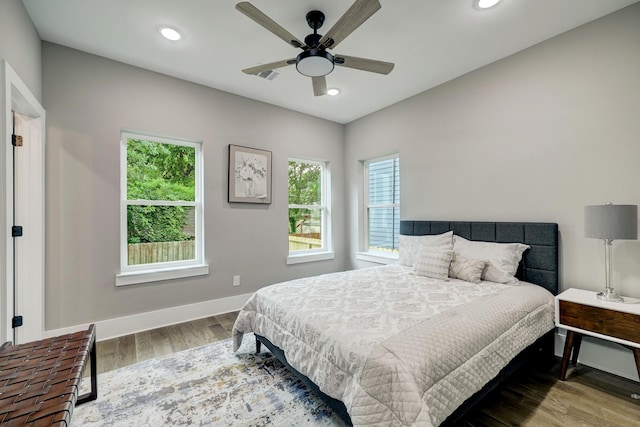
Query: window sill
378	258
316	256
146	276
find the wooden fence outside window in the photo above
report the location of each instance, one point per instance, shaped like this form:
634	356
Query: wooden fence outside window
149	253
304	241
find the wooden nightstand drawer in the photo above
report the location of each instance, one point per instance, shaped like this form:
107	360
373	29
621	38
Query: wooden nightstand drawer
603	321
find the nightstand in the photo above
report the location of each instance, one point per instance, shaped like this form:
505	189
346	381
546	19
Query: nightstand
581	313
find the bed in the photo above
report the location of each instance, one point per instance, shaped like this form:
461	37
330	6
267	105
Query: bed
390	345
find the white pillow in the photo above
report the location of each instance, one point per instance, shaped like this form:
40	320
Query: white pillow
492	273
502	258
433	263
411	245
466	269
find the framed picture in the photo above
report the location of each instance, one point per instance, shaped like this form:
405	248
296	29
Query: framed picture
249	175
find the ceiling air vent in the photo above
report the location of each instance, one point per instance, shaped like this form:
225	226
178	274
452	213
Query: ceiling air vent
269	74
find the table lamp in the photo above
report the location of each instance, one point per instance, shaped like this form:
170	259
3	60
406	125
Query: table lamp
610	222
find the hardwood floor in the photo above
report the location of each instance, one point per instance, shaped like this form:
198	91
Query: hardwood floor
533	397
123	351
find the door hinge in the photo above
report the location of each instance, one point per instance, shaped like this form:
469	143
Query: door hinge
16	231
16	321
16	140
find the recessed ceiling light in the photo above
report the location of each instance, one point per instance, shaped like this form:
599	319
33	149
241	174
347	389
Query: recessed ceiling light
485	4
333	91
170	33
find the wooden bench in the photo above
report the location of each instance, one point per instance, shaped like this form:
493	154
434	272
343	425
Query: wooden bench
40	380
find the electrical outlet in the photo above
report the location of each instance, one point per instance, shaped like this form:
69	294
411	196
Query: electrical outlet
236	280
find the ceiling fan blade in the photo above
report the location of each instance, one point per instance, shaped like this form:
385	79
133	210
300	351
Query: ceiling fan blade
363	64
260	18
319	85
271	66
360	11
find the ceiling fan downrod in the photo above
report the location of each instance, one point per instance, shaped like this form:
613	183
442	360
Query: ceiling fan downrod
315	19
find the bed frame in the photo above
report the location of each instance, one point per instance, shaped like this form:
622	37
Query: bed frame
539	266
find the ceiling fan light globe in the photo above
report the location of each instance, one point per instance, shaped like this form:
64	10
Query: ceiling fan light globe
314	63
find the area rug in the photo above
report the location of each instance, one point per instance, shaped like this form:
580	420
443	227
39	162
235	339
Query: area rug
205	386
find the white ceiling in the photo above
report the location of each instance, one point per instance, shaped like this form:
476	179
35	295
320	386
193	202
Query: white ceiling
430	41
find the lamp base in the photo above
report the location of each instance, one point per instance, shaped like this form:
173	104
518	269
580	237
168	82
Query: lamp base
609	295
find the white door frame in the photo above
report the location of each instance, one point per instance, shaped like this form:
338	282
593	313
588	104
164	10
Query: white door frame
29	269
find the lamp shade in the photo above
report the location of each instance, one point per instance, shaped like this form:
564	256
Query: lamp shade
612	222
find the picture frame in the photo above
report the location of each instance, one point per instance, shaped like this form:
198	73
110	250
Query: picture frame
249	175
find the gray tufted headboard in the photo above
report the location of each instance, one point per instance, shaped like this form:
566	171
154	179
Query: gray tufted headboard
539	264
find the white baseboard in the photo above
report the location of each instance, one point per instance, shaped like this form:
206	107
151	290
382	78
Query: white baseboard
113	328
603	355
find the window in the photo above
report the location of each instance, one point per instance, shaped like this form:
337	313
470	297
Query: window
309	211
161	209
382	199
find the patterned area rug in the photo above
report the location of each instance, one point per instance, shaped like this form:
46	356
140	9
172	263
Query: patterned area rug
205	386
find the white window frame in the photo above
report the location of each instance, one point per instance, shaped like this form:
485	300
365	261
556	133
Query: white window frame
144	273
380	257
326	251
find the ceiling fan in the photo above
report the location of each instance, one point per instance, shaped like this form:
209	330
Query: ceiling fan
315	61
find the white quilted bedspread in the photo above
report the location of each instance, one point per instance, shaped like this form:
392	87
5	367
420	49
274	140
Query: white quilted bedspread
398	349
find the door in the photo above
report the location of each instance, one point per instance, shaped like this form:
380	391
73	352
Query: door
22	205
28	247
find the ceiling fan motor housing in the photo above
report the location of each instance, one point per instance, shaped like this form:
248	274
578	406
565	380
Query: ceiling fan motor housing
313	40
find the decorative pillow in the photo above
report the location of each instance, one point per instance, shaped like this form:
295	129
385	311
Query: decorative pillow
432	262
492	273
502	258
466	269
411	245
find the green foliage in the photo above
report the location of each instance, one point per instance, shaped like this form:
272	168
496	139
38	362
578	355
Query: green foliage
149	224
157	171
304	189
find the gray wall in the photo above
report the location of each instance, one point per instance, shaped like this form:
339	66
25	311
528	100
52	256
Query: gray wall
534	137
88	100
20	45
